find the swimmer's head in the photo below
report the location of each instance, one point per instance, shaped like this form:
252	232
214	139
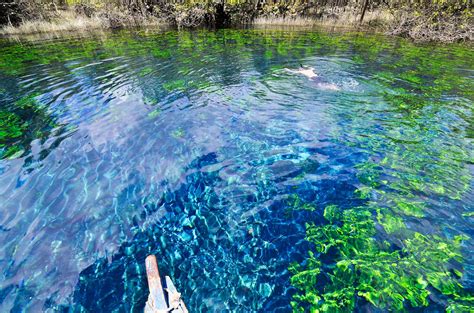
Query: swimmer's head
305	67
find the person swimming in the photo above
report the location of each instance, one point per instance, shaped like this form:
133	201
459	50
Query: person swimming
310	73
305	71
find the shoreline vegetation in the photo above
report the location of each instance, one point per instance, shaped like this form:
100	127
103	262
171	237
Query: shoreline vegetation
420	20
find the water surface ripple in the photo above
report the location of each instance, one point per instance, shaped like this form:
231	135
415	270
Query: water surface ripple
194	146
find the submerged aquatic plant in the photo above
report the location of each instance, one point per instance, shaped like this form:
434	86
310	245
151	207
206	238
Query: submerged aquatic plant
11	128
296	203
386	276
20	124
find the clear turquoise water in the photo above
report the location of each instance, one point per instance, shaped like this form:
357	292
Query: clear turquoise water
200	148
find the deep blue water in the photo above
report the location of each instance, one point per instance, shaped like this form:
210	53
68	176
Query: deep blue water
191	145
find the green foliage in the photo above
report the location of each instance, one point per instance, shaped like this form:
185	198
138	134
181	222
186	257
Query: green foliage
408	208
461	304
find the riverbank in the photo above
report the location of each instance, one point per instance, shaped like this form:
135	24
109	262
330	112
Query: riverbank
71	21
68	21
421	27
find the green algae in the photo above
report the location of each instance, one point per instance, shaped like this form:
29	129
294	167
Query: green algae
366	267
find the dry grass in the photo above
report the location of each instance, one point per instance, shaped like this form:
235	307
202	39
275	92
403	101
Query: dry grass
376	19
67	21
285	21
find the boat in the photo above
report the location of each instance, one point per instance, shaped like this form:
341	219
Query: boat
161	299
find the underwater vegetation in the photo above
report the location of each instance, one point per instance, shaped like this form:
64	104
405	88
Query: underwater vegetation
388	277
11	127
21	123
369	253
374	254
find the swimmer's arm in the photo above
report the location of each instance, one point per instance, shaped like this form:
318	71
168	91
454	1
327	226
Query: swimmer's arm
290	71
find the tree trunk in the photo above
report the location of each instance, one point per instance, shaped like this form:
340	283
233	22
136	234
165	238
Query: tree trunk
366	4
